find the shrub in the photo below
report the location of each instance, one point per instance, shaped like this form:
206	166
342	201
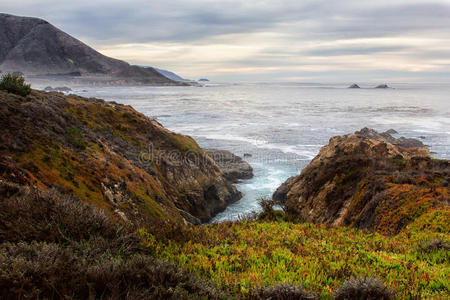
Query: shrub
28	214
55	247
51	271
15	84
284	291
433	246
368	288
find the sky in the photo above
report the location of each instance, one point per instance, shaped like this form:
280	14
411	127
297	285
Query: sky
283	40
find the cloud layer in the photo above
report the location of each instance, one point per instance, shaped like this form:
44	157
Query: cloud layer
269	40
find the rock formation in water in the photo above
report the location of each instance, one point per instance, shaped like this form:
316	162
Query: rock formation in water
109	155
33	46
368	180
233	167
382	86
354	86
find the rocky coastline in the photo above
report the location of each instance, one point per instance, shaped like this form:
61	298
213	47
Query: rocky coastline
368	180
109	155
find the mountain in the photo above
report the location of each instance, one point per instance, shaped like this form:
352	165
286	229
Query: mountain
171	75
36	48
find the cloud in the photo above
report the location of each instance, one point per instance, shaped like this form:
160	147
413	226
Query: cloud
267	39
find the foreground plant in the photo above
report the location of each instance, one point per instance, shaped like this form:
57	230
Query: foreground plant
15	84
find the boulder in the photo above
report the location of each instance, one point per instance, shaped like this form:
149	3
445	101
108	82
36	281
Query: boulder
232	166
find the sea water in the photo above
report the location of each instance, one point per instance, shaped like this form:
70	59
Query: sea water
283	126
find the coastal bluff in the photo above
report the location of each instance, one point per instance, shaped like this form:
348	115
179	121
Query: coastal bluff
368	180
109	155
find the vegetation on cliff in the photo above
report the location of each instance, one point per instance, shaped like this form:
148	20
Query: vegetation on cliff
96	200
242	256
55	247
109	155
370	181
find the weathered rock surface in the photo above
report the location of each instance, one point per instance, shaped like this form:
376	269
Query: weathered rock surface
35	47
368	180
233	167
109	155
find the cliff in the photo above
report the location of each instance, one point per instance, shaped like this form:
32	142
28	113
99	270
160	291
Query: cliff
38	49
370	181
109	155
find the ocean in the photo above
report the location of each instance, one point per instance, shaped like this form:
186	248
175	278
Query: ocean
283	126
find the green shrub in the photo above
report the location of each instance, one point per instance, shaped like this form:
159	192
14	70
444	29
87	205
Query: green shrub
15	84
368	288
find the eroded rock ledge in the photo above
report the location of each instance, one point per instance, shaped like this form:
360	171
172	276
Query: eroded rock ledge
232	166
368	180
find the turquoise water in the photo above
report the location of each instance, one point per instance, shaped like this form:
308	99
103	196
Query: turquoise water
283	126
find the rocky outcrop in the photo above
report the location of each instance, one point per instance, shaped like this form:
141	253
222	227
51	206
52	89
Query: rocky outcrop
368	180
354	86
281	192
233	167
109	155
35	47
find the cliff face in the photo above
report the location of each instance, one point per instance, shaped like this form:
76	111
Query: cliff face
368	180
109	155
35	47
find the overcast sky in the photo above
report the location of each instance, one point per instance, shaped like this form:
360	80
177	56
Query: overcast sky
283	40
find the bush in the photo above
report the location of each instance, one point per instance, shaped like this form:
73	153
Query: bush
285	291
51	271
433	246
28	214
55	247
15	84
368	288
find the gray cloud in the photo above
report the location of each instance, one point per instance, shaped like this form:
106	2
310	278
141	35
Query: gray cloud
318	24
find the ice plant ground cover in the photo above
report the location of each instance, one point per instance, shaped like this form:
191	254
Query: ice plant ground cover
244	255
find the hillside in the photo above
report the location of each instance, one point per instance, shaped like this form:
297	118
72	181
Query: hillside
98	201
370	181
109	155
38	49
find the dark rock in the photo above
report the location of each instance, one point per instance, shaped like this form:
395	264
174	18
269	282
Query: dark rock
354	86
391	131
382	86
232	166
386	136
247	155
281	193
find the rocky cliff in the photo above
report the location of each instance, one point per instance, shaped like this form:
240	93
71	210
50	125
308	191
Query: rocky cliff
368	180
109	155
35	47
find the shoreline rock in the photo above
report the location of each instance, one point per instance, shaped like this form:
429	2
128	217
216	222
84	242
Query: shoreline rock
368	180
233	167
